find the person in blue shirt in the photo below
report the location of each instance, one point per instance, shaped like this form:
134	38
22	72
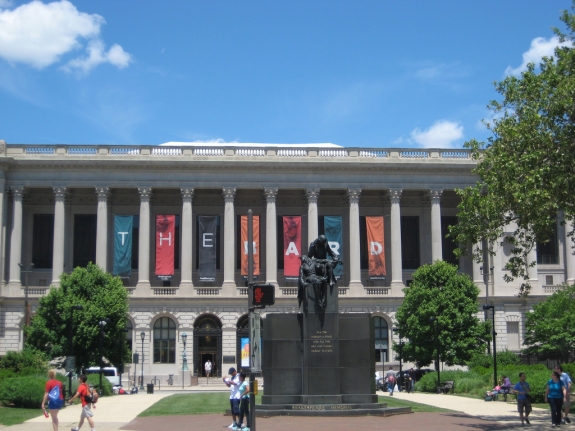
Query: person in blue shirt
567	382
522	390
555	395
244	392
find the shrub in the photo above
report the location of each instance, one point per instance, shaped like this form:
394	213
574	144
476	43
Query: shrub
506	358
5	374
22	391
569	369
25	359
94	380
484	360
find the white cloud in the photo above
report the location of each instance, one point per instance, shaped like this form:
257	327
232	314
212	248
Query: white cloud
96	56
540	47
39	34
442	134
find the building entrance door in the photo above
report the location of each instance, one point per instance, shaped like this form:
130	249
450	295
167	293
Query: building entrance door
207	345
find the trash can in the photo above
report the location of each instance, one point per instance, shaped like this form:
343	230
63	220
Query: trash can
150	388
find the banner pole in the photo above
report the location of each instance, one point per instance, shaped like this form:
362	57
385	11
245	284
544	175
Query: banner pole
251	312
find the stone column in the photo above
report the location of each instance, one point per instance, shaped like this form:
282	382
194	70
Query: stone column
532	270
396	263
102	228
2	224
354	248
229	237
16	237
270	194
436	237
60	194
144	248
187	242
312	228
569	254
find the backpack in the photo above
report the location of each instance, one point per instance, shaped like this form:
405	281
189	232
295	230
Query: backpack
91	397
391	378
54	394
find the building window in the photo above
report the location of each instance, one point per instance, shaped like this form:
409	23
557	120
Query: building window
381	339
448	245
84	239
513	335
43	240
410	242
164	341
547	251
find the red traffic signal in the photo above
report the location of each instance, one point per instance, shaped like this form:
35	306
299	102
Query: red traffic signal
263	294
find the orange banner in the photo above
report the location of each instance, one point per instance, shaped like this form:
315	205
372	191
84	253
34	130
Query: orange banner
375	247
165	244
255	244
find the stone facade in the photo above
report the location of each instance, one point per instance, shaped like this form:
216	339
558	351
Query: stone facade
65	183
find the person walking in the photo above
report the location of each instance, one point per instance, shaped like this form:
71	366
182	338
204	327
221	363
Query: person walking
54	395
208	368
555	395
82	393
232	381
411	381
391	380
244	391
522	390
567	382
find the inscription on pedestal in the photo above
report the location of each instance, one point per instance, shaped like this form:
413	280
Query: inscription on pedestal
321	342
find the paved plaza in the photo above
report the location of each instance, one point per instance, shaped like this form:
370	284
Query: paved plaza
120	413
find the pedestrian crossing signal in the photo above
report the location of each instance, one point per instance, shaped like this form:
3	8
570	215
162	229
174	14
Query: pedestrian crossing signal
263	294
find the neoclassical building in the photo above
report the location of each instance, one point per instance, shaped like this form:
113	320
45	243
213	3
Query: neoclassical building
62	206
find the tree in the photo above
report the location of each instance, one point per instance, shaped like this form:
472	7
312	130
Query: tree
102	296
438	291
550	327
527	167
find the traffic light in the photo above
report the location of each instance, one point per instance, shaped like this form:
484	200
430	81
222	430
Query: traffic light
263	294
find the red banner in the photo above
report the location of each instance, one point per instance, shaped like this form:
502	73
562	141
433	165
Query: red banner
165	240
375	247
255	243
292	245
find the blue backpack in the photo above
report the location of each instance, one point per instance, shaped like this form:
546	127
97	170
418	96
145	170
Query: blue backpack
54	394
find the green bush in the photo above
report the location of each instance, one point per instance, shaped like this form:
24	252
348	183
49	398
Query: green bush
569	369
484	360
506	358
94	380
25	359
5	374
25	392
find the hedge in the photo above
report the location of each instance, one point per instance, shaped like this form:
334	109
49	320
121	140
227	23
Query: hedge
27	391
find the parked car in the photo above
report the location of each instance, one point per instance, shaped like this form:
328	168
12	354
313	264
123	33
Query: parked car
111	373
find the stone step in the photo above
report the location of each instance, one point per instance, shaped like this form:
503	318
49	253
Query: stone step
387	411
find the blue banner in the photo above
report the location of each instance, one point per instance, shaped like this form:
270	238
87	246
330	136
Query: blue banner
332	226
123	245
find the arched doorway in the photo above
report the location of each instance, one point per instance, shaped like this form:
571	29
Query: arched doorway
207	344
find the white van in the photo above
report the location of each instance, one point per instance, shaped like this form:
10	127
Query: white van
111	373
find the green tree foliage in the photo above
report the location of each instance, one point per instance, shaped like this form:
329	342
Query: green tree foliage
484	360
439	291
527	166
102	296
550	327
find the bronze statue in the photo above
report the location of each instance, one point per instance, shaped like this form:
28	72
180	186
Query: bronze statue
317	271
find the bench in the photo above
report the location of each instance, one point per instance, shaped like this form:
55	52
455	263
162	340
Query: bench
444	388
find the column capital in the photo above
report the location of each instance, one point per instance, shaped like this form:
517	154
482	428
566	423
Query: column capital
353	195
187	193
103	193
145	193
395	195
435	195
312	195
229	194
17	191
60	193
270	193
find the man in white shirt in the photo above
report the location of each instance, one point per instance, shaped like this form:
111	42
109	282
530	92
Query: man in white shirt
232	381
567	383
208	368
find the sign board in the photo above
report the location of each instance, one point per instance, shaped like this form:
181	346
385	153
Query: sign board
256	340
70	364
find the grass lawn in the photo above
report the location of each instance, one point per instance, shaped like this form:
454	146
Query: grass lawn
13	416
194	404
415	407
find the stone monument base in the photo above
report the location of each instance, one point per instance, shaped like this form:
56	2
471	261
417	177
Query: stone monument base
372	409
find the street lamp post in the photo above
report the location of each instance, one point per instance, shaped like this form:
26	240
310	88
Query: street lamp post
142	336
71	360
27	271
494	335
436	320
400	357
102	324
184	358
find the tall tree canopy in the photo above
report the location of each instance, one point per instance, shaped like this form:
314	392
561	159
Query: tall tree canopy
101	296
550	328
438	291
527	167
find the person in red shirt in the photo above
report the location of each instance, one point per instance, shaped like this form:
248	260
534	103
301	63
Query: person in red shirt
53	405
86	410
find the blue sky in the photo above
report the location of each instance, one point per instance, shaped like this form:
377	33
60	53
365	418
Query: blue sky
357	73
